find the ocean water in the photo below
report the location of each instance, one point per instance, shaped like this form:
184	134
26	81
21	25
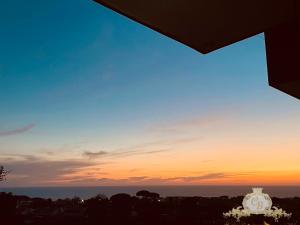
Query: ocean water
164	191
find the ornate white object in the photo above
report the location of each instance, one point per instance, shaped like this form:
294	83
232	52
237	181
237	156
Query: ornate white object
257	202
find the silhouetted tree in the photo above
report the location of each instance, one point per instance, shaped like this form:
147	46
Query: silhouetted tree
142	193
3	173
97	210
147	194
121	206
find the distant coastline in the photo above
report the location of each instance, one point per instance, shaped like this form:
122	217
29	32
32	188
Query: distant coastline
185	191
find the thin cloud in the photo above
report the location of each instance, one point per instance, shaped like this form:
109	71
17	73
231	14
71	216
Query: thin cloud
121	153
165	142
138	178
153	147
94	154
156	151
136	152
208	176
192	123
17	131
29	170
146	180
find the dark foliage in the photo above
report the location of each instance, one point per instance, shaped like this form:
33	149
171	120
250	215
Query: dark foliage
147	194
123	209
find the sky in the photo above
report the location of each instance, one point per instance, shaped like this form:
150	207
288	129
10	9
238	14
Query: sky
89	97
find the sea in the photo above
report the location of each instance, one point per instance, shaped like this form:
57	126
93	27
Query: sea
164	191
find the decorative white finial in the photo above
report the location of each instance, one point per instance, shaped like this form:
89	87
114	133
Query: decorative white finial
257	190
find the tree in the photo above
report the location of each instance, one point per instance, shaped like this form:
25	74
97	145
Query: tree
3	173
147	194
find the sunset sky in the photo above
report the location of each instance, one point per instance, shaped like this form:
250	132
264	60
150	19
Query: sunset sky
89	97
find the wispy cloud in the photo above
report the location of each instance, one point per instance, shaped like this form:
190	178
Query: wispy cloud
208	176
121	153
151	147
140	178
147	180
192	123
17	130
94	154
165	142
32	170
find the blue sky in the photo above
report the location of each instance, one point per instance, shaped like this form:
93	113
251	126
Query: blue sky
78	76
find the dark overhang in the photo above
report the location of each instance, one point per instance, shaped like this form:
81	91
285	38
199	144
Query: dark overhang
207	25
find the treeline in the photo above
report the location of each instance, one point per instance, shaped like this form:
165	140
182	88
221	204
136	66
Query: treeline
145	208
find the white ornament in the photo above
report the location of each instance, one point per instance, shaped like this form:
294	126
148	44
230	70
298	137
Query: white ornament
257	202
